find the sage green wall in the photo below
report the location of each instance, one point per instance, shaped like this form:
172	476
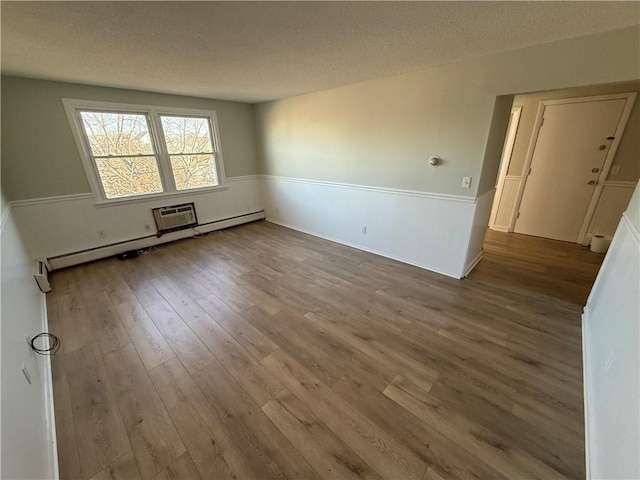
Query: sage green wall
628	154
381	132
40	157
495	142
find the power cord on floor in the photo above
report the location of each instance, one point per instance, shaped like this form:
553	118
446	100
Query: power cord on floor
52	341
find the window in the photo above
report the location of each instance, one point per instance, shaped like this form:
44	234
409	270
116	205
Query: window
133	152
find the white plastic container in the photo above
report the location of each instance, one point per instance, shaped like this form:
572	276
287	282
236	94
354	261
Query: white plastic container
599	244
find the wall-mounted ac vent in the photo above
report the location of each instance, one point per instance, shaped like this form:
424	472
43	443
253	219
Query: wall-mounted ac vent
176	217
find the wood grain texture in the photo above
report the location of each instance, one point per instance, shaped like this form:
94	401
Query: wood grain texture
99	429
181	469
124	468
186	345
323	449
385	454
261	352
153	436
149	342
265	450
68	459
204	432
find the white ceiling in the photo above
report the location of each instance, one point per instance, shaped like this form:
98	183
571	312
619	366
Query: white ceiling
256	51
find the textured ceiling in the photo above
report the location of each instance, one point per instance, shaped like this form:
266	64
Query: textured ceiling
256	51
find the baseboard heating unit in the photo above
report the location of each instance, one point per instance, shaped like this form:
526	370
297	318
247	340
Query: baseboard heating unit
103	251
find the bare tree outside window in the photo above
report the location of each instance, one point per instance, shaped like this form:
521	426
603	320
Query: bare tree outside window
121	146
190	149
131	151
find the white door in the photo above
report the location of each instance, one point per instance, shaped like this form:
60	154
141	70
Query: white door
570	151
507	150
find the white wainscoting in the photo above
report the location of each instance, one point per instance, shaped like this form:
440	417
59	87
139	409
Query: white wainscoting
427	230
478	230
68	224
506	204
611	340
29	448
612	203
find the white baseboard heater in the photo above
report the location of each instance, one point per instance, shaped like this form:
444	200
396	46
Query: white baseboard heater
103	251
176	217
41	275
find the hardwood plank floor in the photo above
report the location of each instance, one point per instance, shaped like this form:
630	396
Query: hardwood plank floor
261	352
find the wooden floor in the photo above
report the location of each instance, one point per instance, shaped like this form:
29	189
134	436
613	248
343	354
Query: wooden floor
260	352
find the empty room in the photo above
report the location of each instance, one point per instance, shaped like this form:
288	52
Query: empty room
320	240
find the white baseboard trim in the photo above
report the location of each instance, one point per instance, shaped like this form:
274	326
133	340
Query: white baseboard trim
48	401
499	228
90	255
585	392
364	249
632	227
472	264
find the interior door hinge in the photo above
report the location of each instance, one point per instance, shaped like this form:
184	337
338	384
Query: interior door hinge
518	216
529	173
542	122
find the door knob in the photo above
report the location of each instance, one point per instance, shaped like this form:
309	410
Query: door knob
595	170
591	182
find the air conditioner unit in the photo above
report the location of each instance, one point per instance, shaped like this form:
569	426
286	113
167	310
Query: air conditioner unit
177	217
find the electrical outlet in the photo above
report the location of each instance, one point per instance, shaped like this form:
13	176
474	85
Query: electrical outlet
466	182
615	170
147	228
363	229
277	209
102	234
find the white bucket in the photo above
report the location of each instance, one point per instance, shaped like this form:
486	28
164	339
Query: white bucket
599	244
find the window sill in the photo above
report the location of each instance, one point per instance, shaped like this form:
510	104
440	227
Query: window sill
157	196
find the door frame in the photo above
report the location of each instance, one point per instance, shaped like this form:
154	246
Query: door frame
630	98
505	161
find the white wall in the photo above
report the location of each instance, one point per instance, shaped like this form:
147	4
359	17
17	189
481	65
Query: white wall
478	230
400	224
27	422
36	136
68	224
380	134
611	356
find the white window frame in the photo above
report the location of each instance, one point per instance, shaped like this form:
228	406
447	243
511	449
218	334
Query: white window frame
73	107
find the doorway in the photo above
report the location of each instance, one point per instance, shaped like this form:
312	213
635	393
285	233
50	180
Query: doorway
570	154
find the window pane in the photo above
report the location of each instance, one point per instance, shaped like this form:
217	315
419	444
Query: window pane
117	133
187	134
194	171
124	177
